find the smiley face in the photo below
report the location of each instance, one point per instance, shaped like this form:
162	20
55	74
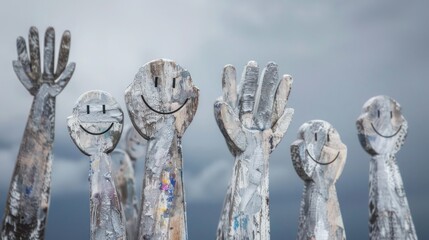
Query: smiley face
381	126
96	123
317	150
161	91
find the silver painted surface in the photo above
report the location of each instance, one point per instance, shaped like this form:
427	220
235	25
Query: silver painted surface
162	102
135	145
318	156
124	177
29	192
253	121
95	126
382	130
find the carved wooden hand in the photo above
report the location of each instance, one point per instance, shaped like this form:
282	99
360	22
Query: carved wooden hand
382	130
253	121
162	102
318	156
29	193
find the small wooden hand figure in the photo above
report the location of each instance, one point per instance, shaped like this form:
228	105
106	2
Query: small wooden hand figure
318	156
95	127
382	130
135	145
253	121
162	102
29	192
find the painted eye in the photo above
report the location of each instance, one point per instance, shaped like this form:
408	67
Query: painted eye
328	137
315	137
156	81
174	82
391	114
87	109
378	113
104	109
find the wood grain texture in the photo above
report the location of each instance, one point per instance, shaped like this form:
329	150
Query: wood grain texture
29	192
253	124
162	102
95	127
318	156
382	130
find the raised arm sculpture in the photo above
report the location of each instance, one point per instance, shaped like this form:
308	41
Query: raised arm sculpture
253	121
382	130
95	127
29	192
162	102
318	156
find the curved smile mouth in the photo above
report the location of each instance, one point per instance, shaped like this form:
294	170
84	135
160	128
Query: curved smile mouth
100	133
386	136
338	154
171	112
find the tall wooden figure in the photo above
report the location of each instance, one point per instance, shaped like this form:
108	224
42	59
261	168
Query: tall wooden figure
318	156
29	192
95	127
253	121
382	130
162	101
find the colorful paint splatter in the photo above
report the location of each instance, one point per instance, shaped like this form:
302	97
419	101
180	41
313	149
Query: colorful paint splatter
167	185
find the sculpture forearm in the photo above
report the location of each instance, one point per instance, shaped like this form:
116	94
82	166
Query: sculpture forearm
390	216
29	192
163	214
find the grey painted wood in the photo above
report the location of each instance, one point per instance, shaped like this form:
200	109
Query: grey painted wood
29	192
253	121
95	126
318	156
382	130
124	178
162	102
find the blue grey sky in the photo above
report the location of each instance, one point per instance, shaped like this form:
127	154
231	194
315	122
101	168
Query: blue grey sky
340	53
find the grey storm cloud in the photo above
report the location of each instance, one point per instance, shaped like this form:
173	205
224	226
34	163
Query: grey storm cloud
339	53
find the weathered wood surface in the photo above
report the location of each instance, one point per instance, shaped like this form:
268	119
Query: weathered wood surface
382	130
162	102
123	169
95	127
29	191
253	121
318	156
123	174
135	145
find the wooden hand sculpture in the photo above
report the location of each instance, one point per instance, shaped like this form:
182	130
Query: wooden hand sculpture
124	178
253	121
95	127
162	102
382	130
318	156
123	168
29	192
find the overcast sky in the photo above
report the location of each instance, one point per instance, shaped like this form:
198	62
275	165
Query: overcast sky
339	53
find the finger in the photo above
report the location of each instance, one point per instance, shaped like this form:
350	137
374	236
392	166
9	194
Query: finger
65	77
229	86
63	56
33	40
21	48
49	54
248	87
230	126
281	126
265	101
22	75
281	98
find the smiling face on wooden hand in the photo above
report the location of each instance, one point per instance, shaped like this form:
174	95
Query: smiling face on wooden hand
161	91
318	150
96	123
381	127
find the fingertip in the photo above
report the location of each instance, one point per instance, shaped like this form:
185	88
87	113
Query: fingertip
252	63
